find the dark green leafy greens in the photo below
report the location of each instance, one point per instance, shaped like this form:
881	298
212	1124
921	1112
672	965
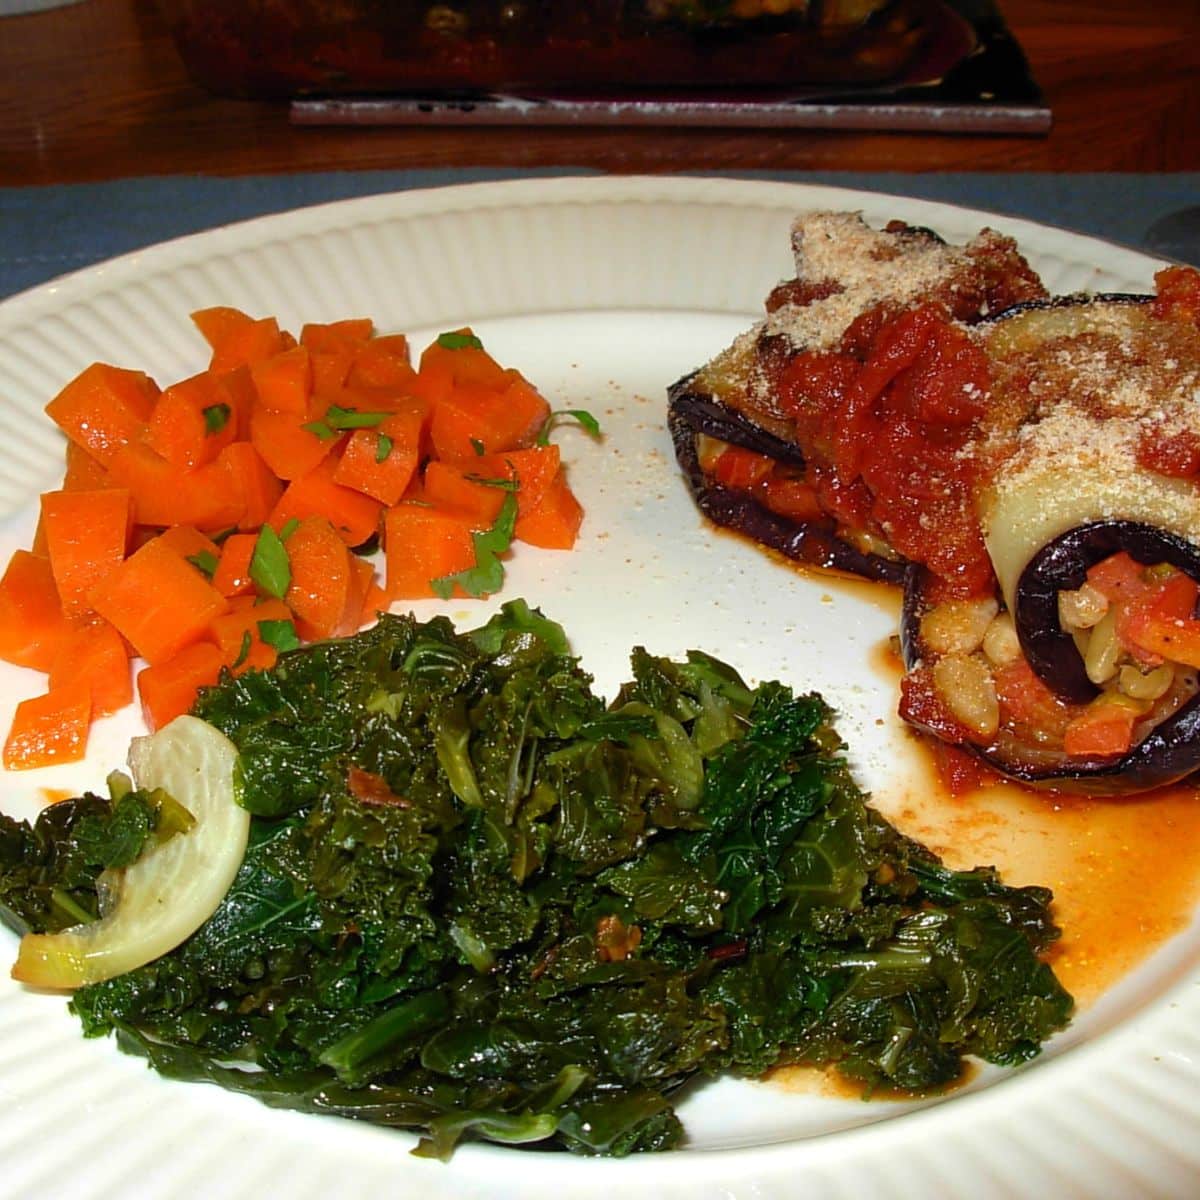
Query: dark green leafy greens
50	871
478	902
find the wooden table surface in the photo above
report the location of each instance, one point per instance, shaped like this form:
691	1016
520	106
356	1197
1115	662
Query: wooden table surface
97	90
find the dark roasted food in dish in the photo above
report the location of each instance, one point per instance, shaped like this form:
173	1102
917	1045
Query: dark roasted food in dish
414	47
911	411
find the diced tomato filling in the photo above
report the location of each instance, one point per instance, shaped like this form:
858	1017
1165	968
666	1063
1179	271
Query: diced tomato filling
1139	635
1101	730
741	469
778	488
1028	708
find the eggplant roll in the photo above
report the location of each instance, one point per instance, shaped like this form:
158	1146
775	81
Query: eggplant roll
1027	467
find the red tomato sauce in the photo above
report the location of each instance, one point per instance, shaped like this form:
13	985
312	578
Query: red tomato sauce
884	420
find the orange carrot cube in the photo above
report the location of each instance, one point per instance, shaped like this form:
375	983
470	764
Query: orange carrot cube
423	543
168	689
158	601
87	535
317	494
95	654
104	408
50	729
32	626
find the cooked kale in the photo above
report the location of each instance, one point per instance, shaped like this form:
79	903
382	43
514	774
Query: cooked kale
50	871
477	902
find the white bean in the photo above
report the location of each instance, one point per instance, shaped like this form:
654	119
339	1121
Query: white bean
1103	649
966	685
1081	609
958	626
1000	642
1149	685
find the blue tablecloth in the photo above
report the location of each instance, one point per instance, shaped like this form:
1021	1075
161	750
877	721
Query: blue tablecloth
50	230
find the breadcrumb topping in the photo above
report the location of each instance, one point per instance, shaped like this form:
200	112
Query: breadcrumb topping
1098	383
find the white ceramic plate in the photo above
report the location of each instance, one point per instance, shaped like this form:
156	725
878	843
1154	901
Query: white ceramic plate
603	291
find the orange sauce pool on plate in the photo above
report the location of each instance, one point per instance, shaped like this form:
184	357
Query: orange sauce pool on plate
1125	873
1125	876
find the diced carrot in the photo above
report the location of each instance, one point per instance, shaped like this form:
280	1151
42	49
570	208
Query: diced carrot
471	366
232	576
434	380
243	397
149	479
164	495
1027	703
238	633
461	428
366	398
254	484
84	473
246	344
793	498
322	578
354	515
284	381
362	585
97	655
532	470
189	541
228	449
424	543
1144	619
333	336
32	626
193	421
87	536
1102	730
168	689
157	600
219	323
525	411
383	362
361	465
285	445
554	524
739	468
104	408
375	601
330	370
415	492
50	729
473	420
462	491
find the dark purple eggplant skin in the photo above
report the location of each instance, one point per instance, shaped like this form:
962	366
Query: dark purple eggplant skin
1075	300
1062	565
811	543
1168	754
